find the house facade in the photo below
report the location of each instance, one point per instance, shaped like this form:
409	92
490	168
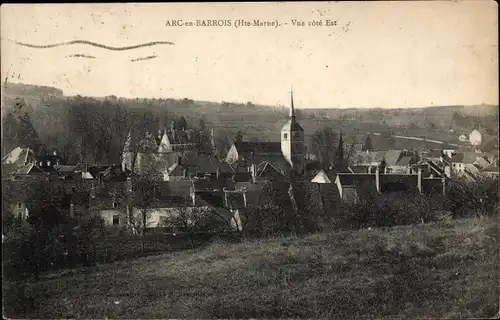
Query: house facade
475	137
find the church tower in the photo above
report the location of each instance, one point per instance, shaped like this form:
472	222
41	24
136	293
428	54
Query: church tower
292	139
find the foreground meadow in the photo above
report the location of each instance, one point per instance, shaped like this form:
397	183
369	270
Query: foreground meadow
442	270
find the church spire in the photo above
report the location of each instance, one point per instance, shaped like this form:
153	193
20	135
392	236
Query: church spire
292	109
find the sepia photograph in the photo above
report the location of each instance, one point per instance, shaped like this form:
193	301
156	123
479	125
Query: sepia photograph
274	160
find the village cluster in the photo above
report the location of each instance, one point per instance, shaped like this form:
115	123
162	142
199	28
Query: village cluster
195	180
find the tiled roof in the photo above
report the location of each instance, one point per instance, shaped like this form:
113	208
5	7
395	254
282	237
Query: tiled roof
83	167
349	194
177	188
378	156
493	167
64	168
246	148
359	169
215	198
353	179
398	182
225	167
404	161
253	191
466	157
432	154
242	177
392	157
212	184
30	168
325	176
18	156
292	125
266	169
436	168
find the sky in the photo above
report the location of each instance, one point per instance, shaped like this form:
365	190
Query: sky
379	54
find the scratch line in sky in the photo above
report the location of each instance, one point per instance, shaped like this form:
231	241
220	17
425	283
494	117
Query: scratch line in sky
144	58
94	44
80	55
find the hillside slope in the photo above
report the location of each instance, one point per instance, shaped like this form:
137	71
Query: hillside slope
447	270
259	122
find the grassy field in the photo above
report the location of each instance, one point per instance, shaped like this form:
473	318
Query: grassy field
446	270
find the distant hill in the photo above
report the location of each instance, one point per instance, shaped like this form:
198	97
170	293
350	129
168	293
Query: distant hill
260	122
32	95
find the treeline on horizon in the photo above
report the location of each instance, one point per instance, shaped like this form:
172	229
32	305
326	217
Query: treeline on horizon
86	129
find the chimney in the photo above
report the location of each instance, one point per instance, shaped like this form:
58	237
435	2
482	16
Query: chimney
54	153
217	173
409	169
193	195
419	182
225	196
443	182
173	135
92	190
377	179
447	171
244	189
185	173
252	170
71	210
129	184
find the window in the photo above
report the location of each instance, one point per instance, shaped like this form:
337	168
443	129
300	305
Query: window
19	205
115	204
285	135
116	220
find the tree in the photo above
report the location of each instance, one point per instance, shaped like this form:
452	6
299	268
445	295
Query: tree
273	214
188	219
238	137
323	143
368	145
431	125
202	125
27	136
383	165
144	199
39	247
181	124
10	128
340	162
476	198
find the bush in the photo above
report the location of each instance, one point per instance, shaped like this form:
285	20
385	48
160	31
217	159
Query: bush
469	199
386	210
33	248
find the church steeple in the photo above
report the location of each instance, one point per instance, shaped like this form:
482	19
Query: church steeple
292	138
